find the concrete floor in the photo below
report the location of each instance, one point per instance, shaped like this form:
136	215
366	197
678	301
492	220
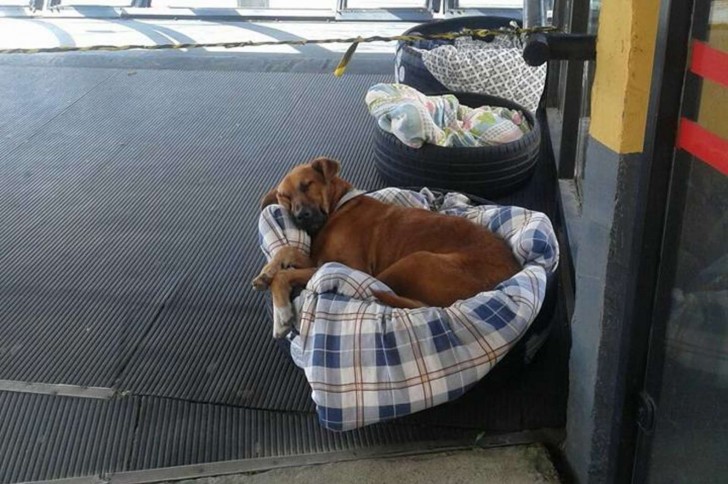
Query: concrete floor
503	465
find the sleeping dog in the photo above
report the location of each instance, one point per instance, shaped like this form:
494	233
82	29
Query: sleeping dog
426	258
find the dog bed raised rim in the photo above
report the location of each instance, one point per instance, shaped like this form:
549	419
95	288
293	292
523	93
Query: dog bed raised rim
367	362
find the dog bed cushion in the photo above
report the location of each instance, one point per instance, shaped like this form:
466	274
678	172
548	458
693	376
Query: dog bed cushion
367	362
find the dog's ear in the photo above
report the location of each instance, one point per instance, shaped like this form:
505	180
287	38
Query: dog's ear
327	167
269	198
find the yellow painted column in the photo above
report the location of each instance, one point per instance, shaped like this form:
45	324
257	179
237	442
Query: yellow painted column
620	93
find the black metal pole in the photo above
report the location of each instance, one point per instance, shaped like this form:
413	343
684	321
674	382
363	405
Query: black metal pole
543	47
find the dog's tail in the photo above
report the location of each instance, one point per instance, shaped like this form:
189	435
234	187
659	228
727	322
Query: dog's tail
391	299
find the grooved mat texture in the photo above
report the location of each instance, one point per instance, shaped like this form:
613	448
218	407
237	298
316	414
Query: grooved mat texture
129	206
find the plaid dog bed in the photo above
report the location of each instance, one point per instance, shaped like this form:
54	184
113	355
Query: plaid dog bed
367	362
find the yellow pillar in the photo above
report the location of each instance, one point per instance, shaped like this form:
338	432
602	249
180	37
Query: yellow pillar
620	93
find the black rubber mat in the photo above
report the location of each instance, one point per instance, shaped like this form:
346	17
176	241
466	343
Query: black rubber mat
47	437
149	229
175	433
31	97
60	335
237	362
129	238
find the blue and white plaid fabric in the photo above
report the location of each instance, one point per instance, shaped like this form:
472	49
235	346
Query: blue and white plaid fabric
367	362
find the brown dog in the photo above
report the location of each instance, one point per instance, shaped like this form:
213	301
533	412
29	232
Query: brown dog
428	259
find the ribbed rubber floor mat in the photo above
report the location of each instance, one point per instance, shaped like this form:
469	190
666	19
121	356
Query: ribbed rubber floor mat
129	239
135	215
175	433
65	336
212	339
30	97
47	437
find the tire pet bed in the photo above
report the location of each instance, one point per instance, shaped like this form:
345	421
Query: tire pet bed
488	171
367	362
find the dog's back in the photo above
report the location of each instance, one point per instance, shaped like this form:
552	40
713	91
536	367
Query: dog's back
403	245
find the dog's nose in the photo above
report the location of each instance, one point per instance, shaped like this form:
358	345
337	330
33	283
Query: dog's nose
304	214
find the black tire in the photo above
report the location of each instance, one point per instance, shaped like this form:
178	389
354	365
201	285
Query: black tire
488	171
409	67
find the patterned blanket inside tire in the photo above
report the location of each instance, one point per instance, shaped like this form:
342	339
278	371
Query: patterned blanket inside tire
416	119
366	362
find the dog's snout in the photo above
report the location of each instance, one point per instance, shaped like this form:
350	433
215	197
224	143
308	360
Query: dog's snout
304	213
309	218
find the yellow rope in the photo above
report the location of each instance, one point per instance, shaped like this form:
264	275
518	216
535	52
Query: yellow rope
354	41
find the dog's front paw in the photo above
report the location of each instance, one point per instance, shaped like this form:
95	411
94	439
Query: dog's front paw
262	281
282	321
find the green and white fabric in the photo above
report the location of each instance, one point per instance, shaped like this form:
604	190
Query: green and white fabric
416	119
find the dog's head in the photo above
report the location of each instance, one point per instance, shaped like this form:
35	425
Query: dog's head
309	191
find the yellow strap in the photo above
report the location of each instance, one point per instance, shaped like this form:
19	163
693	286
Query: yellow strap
339	71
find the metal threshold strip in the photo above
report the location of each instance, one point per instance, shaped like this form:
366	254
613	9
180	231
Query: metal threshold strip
247	466
59	389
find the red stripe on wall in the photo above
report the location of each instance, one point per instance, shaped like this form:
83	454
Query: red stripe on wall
703	144
709	63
